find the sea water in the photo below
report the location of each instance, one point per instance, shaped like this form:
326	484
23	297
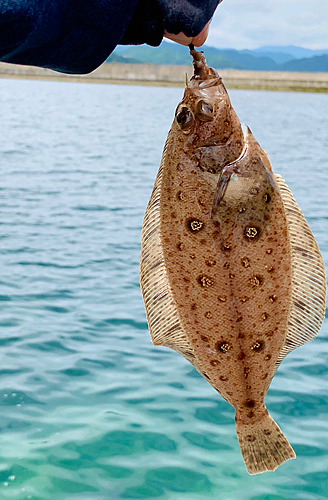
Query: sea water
90	410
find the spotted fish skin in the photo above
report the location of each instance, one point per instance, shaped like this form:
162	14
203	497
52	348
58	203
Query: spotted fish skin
219	262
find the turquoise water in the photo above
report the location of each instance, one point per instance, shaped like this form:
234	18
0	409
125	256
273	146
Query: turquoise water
90	410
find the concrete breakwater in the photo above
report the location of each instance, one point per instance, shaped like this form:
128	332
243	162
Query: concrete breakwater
170	75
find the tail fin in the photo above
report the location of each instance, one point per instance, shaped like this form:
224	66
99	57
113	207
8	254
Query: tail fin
263	445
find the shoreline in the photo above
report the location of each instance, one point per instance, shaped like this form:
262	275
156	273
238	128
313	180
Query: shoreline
170	75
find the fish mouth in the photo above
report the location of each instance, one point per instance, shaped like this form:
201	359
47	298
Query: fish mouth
206	117
201	70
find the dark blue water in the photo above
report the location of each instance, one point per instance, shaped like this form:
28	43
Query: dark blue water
90	410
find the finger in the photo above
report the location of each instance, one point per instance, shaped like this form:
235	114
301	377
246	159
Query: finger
181	38
201	38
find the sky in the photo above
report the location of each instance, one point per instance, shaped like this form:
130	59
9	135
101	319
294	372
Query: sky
249	24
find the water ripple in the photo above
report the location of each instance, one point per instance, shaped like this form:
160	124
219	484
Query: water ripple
90	409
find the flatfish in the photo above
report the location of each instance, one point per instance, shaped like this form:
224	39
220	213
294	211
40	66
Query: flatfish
231	275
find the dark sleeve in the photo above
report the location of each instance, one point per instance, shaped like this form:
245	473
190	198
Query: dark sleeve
71	36
76	36
151	18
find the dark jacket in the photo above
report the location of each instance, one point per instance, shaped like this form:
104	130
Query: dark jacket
76	36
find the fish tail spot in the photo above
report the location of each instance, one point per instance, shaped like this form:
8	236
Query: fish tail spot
262	444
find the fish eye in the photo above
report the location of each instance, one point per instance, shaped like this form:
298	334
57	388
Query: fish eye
204	110
184	117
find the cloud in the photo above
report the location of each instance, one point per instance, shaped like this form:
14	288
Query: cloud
248	24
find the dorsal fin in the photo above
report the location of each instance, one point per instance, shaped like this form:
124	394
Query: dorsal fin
162	315
308	277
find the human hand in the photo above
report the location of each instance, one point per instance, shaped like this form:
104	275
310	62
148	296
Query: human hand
181	38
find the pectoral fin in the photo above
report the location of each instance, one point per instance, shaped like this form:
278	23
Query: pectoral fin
221	188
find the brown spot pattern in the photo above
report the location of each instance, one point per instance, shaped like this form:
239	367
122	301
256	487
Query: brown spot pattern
205	282
223	346
252	233
256	281
258	346
195	225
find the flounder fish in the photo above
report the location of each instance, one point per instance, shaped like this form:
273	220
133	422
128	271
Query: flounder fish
231	275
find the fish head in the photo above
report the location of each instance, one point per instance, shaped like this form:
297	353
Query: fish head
203	113
205	121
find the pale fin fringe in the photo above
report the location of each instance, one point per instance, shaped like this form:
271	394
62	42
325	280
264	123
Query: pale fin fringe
263	445
162	315
308	299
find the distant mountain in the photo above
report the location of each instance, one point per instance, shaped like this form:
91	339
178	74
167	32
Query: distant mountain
166	53
169	53
278	57
312	64
292	50
241	59
264	59
114	57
